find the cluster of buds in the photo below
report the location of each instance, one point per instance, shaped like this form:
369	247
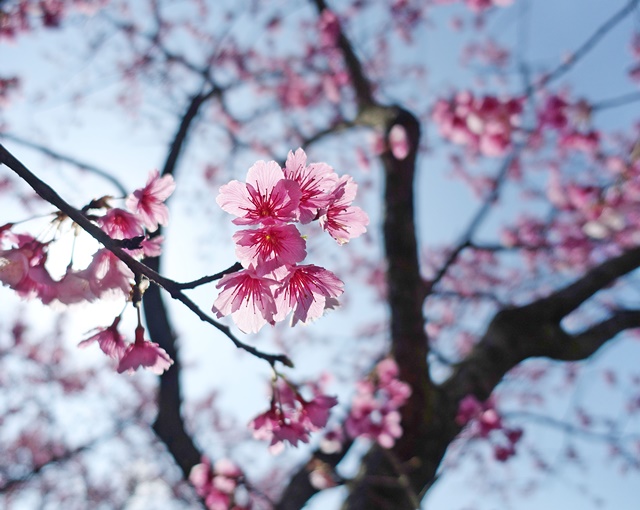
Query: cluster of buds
219	485
484	125
273	283
23	263
291	417
374	409
485	422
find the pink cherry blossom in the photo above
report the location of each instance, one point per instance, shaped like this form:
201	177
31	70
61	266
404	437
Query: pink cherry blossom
248	298
316	411
109	339
277	426
267	197
74	287
106	272
270	247
145	354
315	180
120	224
217	485
307	291
290	417
14	267
374	409
342	220
148	202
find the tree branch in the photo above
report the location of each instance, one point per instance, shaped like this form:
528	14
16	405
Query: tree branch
172	287
590	43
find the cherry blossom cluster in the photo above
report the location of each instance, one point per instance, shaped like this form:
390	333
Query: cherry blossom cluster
374	409
23	264
571	121
23	268
483	124
485	422
218	485
291	417
273	283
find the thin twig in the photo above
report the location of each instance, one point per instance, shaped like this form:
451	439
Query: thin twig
590	43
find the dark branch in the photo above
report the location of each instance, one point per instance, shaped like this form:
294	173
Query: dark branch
360	82
172	287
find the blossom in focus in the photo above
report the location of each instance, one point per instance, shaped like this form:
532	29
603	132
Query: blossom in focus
307	291
315	180
247	297
148	202
266	197
342	220
270	247
145	354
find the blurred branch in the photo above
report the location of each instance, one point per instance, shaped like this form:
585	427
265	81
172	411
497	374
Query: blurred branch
590	43
614	102
360	82
476	221
67	159
583	345
534	330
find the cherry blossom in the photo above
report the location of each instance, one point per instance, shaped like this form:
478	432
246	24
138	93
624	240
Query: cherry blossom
307	291
342	220
290	417
267	197
146	354
484	421
485	125
148	202
315	180
270	247
218	485
374	408
120	224
109	339
248	298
